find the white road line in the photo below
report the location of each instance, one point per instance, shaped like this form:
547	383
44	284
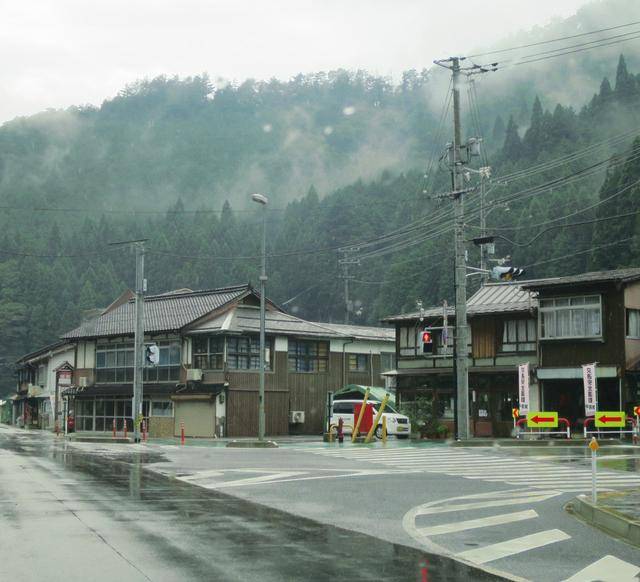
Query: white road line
513	546
518	500
607	569
459	526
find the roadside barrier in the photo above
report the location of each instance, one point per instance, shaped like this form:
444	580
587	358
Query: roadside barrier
182	432
620	431
519	431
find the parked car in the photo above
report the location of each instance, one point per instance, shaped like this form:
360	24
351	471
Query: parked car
397	424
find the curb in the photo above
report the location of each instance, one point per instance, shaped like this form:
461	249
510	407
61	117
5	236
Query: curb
607	520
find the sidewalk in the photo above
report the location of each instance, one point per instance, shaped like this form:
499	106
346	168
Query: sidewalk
617	513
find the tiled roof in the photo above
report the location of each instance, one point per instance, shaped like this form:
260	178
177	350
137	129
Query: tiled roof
363	332
166	312
247	319
618	275
492	298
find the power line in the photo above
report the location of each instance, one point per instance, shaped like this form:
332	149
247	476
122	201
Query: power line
558	39
576	253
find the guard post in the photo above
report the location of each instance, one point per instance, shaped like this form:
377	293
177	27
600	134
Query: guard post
376	419
594	446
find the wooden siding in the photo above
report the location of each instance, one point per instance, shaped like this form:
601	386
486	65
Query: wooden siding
574	352
242	413
484	337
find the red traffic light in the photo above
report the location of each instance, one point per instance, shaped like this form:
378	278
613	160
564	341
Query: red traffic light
427	338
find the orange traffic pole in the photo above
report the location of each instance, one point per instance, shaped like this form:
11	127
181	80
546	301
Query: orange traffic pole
114	428
182	432
125	428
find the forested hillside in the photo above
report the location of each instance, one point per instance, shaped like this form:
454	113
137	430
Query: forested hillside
342	157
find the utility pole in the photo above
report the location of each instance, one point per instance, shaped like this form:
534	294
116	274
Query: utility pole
347	260
138	340
138	333
262	200
460	271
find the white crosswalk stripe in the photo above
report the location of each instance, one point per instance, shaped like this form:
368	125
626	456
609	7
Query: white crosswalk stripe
487	466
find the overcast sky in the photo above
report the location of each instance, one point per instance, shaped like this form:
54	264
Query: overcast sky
58	53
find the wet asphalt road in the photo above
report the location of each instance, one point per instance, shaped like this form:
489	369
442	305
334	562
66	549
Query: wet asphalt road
69	515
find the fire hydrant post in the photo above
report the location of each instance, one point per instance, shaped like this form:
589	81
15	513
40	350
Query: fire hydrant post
594	446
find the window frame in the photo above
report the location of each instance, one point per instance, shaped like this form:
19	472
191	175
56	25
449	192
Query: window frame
531	328
117	366
629	311
219	353
252	352
320	357
361	362
568	307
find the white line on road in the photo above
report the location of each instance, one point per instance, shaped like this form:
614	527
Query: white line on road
458	526
513	546
531	497
607	569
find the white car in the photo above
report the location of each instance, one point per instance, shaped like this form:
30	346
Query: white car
397	424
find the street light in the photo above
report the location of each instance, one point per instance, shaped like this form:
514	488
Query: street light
263	201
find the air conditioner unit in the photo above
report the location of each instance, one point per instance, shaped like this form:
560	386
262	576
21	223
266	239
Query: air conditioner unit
296	416
84	381
194	375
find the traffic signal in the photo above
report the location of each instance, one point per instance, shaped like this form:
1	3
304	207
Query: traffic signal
425	338
151	355
506	273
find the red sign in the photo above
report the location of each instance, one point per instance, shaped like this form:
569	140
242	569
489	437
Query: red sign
367	418
636	410
538	419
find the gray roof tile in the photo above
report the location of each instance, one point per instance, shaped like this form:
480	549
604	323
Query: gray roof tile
166	312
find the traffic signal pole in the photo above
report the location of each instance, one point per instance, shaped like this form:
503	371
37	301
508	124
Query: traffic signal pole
138	341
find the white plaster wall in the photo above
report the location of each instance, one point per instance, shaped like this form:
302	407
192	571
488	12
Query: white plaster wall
362	347
282	343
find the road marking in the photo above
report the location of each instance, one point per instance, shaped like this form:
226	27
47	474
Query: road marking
515	499
607	569
513	546
458	526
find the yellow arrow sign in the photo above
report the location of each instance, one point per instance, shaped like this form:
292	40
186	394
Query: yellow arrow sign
616	419
542	419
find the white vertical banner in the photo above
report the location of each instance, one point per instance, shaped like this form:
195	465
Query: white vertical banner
590	389
523	388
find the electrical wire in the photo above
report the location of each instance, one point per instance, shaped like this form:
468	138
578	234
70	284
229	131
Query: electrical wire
559	39
576	253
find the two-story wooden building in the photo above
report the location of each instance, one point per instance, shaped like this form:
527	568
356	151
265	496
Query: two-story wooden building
207	376
584	319
503	330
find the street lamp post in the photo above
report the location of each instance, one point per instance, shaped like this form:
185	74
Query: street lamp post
263	201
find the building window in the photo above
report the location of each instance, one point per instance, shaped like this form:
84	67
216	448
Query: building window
208	352
114	363
407	341
387	361
571	317
243	353
358	362
308	356
162	408
633	323
519	335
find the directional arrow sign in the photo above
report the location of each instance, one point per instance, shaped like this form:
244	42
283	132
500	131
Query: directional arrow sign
542	419
616	419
